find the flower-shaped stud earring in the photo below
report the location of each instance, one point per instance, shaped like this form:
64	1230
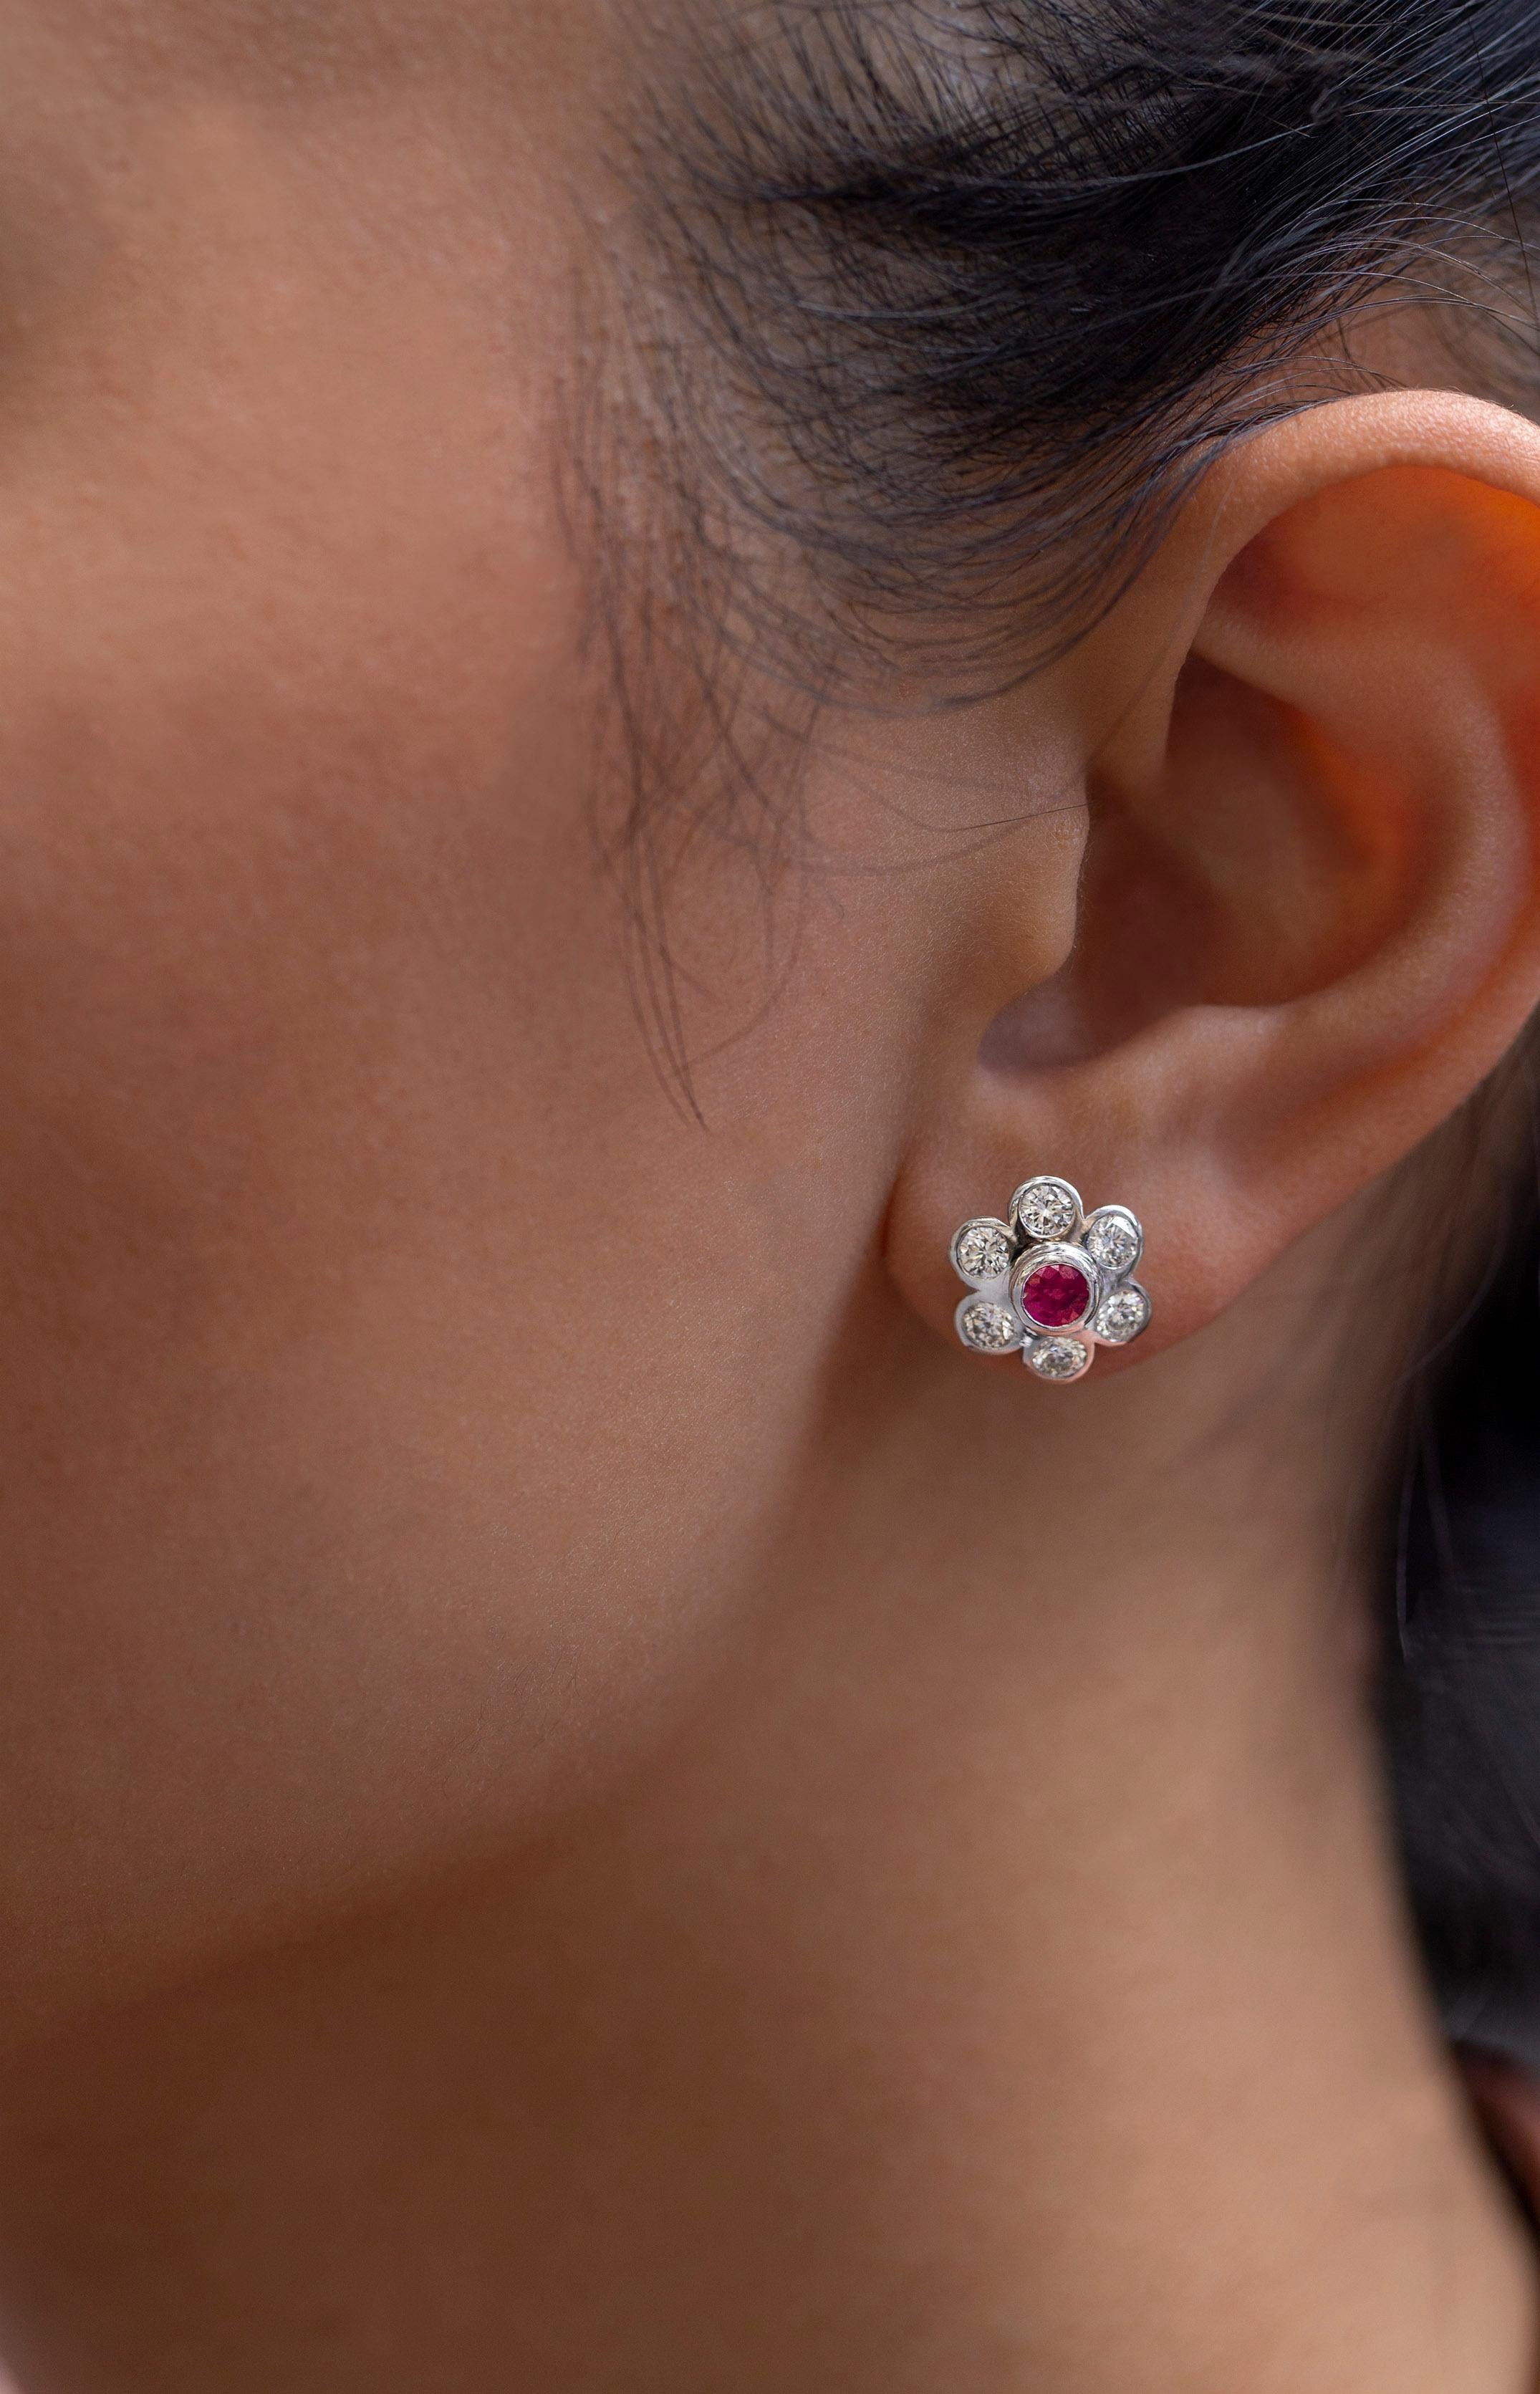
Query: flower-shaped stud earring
1052	1280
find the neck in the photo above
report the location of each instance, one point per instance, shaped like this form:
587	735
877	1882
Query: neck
1009	1931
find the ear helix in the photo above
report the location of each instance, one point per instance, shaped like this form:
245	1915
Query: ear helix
1051	1282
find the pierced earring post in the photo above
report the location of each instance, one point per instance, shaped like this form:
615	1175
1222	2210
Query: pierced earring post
1051	1281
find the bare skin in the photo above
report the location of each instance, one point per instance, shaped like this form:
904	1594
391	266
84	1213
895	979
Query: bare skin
587	1803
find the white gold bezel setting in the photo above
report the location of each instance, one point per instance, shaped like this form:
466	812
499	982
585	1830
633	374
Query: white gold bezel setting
1041	1357
980	1224
977	1300
1068	1216
1110	1337
1130	1244
1056	1251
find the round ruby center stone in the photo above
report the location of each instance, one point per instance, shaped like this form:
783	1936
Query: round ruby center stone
1055	1296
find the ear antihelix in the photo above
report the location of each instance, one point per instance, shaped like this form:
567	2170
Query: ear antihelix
1051	1282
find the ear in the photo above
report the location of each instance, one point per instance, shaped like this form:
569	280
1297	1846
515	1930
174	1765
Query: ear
1308	918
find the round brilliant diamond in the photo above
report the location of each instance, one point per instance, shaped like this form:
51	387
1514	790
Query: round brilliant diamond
1046	1211
987	1330
983	1251
1115	1243
1122	1316
1059	1359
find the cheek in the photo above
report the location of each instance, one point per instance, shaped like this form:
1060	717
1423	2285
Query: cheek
328	1517
395	1383
399	1383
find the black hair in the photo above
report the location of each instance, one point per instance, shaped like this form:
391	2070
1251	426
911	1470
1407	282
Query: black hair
1000	277
993	282
1461	1684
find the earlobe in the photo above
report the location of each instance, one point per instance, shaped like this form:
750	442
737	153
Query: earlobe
1308	917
